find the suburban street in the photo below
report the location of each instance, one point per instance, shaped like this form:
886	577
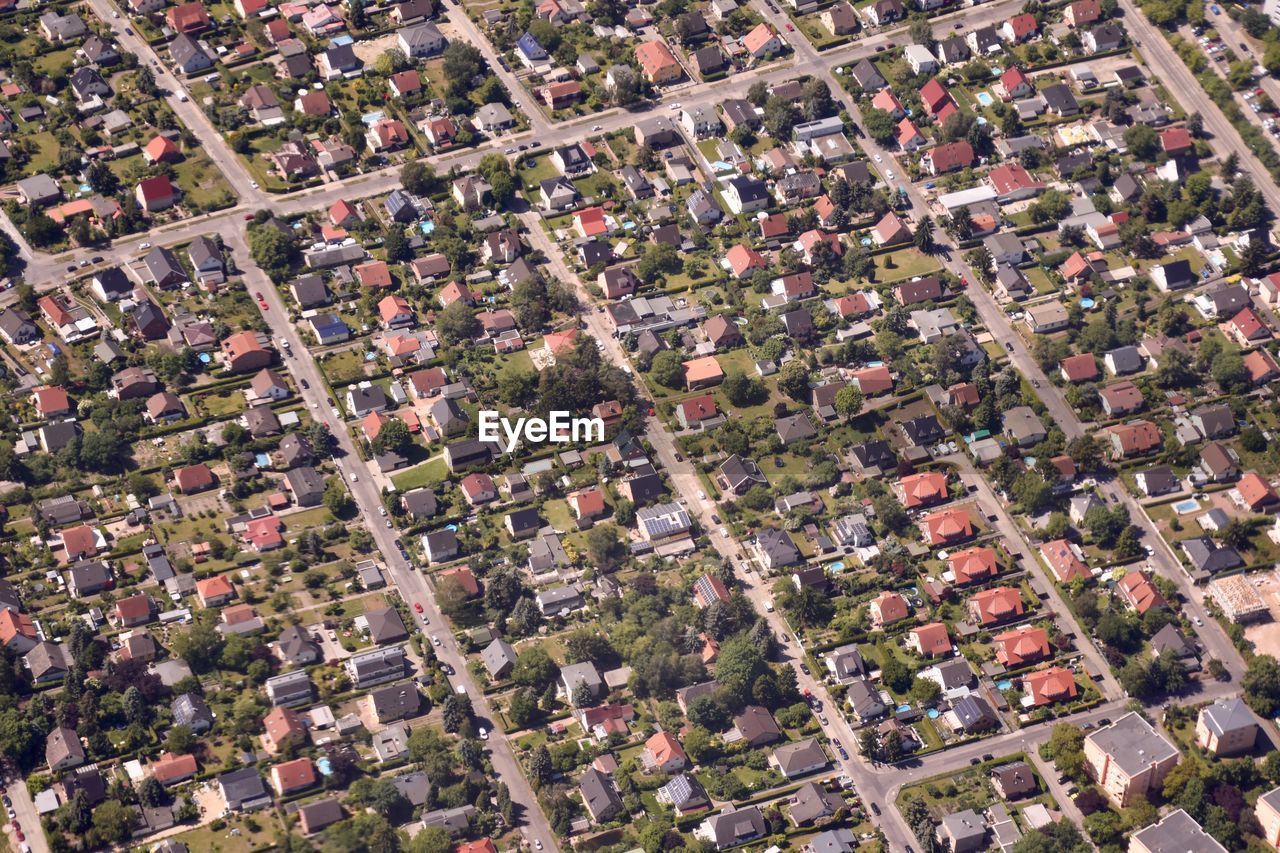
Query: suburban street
413	586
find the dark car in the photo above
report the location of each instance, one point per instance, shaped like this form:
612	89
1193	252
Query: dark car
97	259
988	757
875	809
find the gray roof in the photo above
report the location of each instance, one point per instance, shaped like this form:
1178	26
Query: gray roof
1132	744
581	673
736	827
812	802
1177	833
686	792
599	794
385	625
396	701
1208	556
833	841
973	711
498	656
1127	359
794	757
1228	715
965	825
241	785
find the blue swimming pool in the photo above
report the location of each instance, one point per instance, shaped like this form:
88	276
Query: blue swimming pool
1184	507
1004	685
452	527
985	99
932	713
837	566
1087	303
324	766
902	709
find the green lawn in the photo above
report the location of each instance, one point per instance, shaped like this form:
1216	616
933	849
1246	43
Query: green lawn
254	832
429	473
904	263
203	186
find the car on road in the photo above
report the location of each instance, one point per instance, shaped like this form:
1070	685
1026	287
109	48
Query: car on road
71	267
804	667
888	174
1196	619
253	184
875	809
768	606
537	844
144	245
305	384
715	519
988	757
435	641
702	496
822	720
595	127
417	605
724	531
128	31
975	761
1008	346
484	733
355	478
791	28
877	157
382	511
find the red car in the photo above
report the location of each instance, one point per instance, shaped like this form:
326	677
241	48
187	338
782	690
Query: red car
20	836
417	605
791	28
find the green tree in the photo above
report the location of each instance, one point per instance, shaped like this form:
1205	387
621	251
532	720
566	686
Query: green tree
534	668
112	821
200	645
880	125
793	380
456	323
1261	685
540	766
849	401
418	177
272	250
667	369
740	663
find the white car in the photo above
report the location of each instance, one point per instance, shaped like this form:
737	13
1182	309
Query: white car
435	641
888	174
724	531
877	157
484	733
702	496
595	127
253	184
355	478
144	245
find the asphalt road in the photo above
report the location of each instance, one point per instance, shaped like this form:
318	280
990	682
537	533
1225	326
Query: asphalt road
412	585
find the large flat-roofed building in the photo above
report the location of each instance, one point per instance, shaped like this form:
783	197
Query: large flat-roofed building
1177	833
1129	757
